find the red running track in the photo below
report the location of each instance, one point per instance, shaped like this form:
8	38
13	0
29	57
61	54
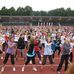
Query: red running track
28	70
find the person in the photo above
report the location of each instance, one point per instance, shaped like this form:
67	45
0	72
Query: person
21	45
30	55
26	39
58	42
70	69
5	46
64	56
71	49
9	52
37	49
48	52
53	46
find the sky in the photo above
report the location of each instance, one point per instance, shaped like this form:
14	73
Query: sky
38	5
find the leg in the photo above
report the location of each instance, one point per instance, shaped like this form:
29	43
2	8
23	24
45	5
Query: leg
66	62
22	52
61	63
12	61
71	57
59	50
44	59
50	59
6	58
39	55
53	54
33	61
27	61
5	61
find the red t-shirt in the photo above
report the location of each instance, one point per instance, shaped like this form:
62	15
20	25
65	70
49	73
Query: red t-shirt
6	38
36	47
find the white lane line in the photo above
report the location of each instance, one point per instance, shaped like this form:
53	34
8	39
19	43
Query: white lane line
31	65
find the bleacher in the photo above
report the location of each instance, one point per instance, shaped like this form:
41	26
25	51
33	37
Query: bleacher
35	20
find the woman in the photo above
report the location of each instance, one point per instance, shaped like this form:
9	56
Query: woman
37	49
65	56
30	55
21	45
47	52
9	52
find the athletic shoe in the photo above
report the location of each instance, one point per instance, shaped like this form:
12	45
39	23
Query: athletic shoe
41	55
69	62
30	62
22	69
2	69
34	69
40	62
14	69
58	72
1	57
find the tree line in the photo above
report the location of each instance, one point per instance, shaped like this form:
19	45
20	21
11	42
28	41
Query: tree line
28	11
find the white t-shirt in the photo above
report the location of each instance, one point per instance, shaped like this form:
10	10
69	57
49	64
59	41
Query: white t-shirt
62	39
47	49
16	38
54	36
25	38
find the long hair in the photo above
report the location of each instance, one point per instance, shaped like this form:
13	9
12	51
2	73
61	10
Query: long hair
70	69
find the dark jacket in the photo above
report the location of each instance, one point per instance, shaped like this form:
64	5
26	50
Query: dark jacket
21	43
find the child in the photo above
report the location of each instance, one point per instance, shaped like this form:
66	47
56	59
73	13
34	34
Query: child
47	52
9	52
30	55
37	49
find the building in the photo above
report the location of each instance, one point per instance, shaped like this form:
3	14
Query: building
36	20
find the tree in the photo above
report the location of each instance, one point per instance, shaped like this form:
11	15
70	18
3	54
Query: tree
28	11
57	12
36	13
43	13
4	11
68	12
20	11
11	11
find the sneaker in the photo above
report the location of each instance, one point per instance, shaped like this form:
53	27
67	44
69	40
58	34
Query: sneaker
40	62
58	72
22	69
1	58
14	69
34	69
2	69
41	55
69	62
30	62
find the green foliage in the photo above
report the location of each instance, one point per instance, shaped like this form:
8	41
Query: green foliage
27	11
